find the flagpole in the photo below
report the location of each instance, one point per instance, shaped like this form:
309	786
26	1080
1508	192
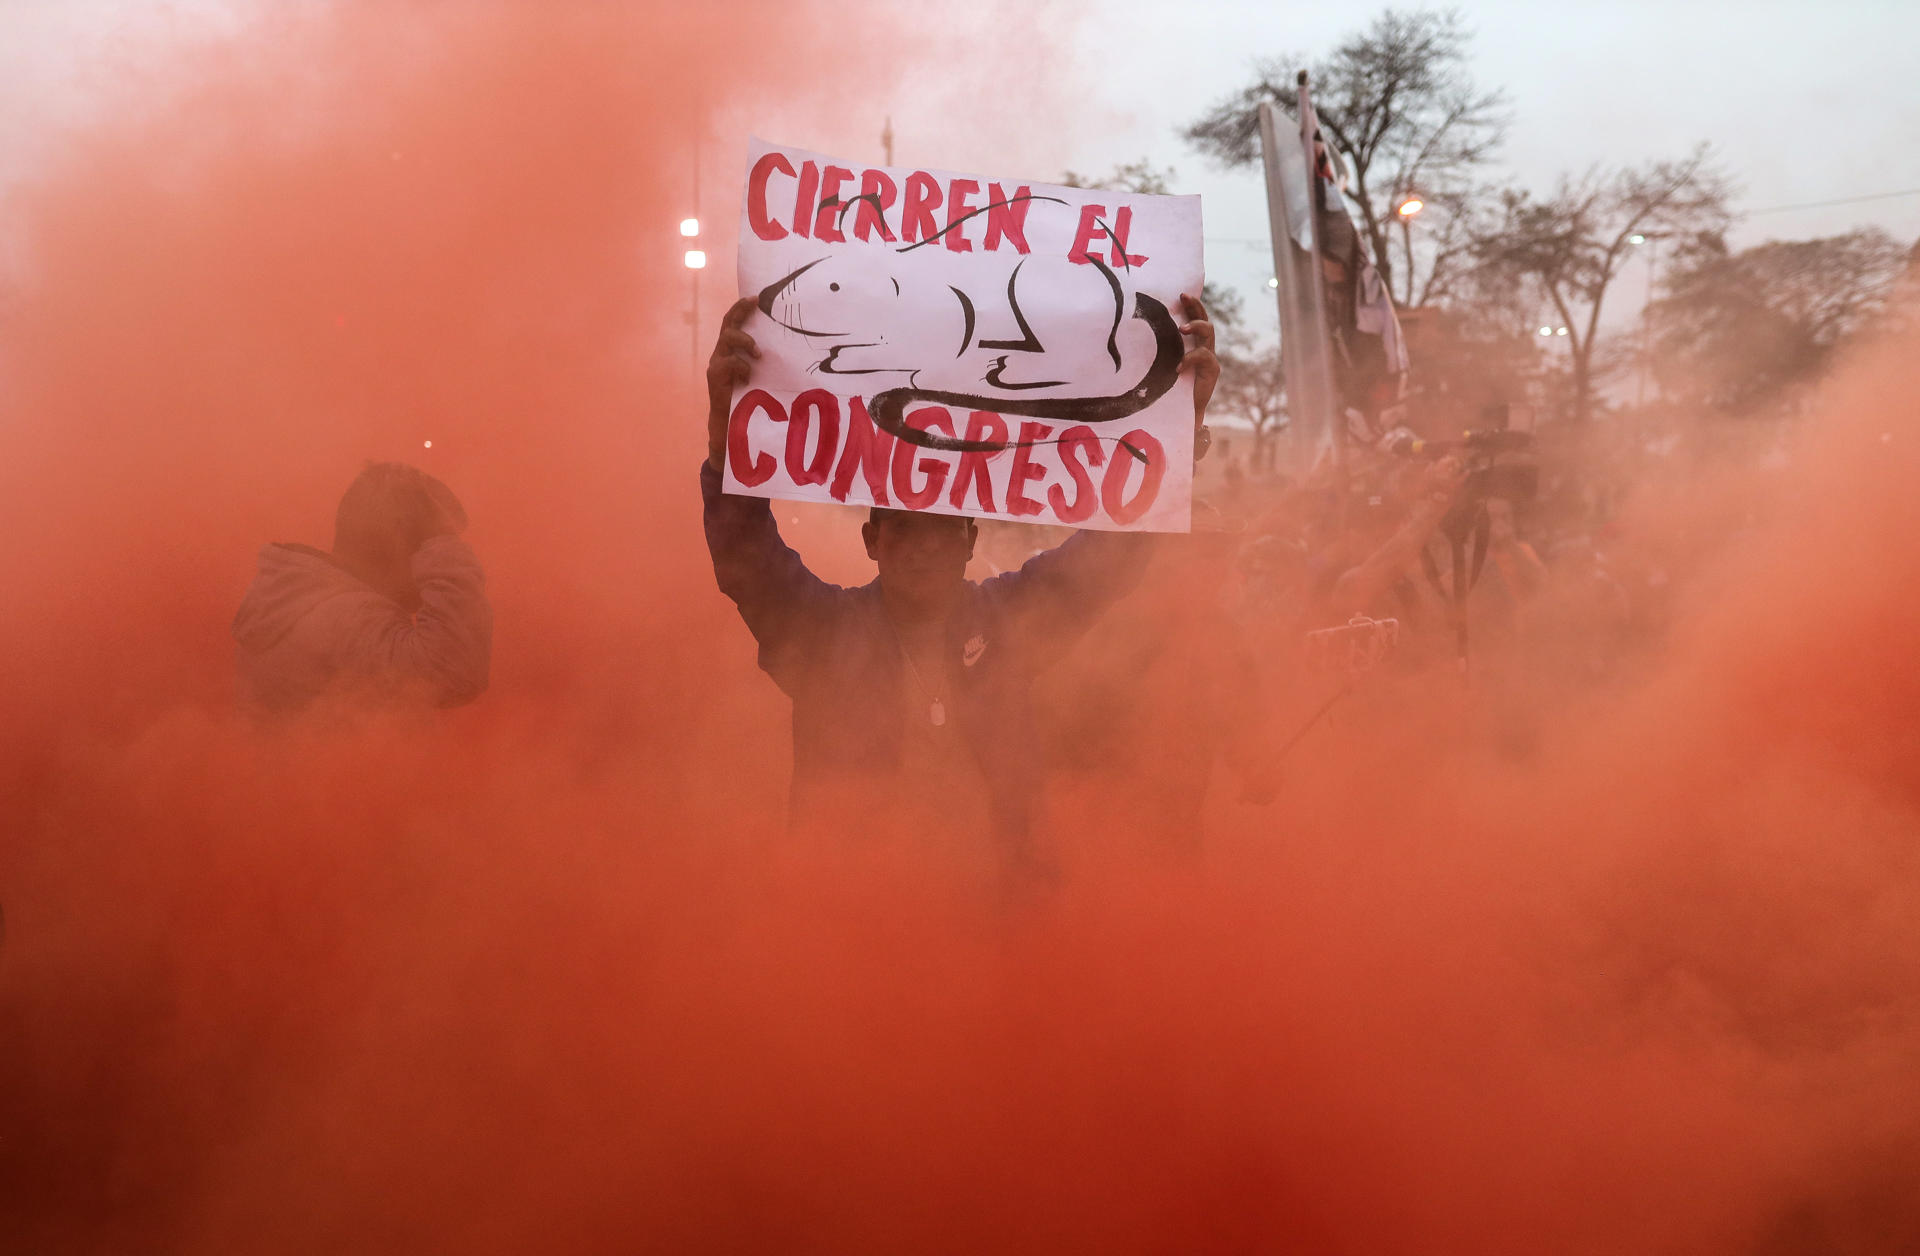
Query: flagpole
1305	345
1333	412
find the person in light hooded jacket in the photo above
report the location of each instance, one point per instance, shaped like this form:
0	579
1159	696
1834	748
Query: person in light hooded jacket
396	614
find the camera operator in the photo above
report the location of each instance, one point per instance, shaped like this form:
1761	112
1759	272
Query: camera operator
1520	567
1394	565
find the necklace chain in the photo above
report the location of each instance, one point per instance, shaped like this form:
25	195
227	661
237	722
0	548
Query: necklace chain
936	709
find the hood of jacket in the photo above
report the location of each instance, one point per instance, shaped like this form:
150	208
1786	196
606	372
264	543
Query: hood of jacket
292	581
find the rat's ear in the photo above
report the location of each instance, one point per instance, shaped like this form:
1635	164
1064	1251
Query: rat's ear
870	533
973	538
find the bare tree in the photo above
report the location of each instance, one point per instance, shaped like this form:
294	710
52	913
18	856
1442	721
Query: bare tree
1253	386
1397	101
1740	331
1569	248
1440	268
1141	177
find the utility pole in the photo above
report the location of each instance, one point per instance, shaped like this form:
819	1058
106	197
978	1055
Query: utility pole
694	271
1650	239
696	261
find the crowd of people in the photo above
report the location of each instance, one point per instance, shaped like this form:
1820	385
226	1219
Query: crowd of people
1133	676
1476	566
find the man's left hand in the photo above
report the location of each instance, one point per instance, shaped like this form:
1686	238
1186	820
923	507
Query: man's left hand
1205	366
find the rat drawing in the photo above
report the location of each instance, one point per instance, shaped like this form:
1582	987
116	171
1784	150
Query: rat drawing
1013	352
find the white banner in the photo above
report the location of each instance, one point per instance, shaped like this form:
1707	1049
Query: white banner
965	345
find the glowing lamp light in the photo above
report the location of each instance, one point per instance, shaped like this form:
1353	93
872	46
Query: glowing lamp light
1546	331
689	227
1559	331
426	444
696	259
1636	238
1411	206
1273	283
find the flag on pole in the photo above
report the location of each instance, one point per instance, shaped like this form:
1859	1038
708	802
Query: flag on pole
1344	356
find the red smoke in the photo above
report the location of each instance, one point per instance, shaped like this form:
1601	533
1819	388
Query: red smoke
543	974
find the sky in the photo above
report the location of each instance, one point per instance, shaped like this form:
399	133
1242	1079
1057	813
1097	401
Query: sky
1802	102
1628	970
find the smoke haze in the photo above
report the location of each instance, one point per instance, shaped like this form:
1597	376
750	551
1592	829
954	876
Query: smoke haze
545	974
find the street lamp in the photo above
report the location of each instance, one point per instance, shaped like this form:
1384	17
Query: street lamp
1409	206
695	261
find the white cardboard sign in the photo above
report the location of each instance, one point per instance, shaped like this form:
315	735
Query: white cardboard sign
965	345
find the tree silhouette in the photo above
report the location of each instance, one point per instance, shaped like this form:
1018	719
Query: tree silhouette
1397	101
1569	247
1740	331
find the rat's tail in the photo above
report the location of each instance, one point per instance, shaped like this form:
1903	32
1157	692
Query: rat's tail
889	409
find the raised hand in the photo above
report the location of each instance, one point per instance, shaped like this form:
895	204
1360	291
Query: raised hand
1204	364
730	366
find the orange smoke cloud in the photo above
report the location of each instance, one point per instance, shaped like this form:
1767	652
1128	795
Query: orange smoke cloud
544	974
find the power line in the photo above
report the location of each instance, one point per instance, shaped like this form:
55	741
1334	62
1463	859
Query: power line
1844	200
1767	209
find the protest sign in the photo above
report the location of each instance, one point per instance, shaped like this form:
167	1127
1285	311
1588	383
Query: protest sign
965	345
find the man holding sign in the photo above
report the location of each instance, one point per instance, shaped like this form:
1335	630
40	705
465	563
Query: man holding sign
862	367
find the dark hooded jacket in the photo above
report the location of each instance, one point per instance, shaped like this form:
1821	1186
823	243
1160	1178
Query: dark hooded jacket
833	651
308	627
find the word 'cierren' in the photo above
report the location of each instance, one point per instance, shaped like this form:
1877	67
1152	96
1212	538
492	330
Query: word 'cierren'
823	200
821	448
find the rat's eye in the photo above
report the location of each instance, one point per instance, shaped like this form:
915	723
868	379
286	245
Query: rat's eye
833	287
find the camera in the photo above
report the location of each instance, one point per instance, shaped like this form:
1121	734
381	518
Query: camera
1516	482
1498	459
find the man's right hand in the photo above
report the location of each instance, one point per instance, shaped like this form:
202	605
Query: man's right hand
730	366
1442	482
443	513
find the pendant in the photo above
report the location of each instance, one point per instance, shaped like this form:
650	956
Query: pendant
937	713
